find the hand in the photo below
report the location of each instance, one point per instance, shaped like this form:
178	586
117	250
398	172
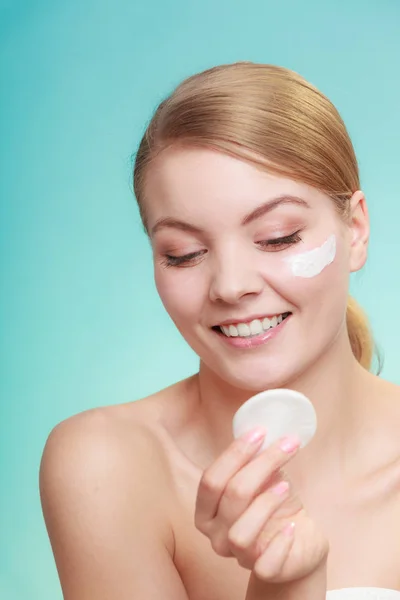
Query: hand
248	511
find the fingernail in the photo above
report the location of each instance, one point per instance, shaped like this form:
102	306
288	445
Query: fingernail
289	529
289	444
255	435
280	488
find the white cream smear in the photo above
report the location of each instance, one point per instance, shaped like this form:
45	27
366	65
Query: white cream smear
312	262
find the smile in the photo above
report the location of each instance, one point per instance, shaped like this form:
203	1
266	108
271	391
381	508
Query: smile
252	328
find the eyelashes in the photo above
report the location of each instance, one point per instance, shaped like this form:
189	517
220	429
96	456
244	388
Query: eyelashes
180	261
274	245
271	245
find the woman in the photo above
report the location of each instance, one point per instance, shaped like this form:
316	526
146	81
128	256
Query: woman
243	171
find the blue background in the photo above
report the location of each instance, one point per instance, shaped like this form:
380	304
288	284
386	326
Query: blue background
81	324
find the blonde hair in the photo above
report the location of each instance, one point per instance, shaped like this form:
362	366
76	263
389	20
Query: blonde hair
274	118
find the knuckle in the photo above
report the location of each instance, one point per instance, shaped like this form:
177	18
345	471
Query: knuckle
245	562
237	540
236	490
209	483
221	547
260	572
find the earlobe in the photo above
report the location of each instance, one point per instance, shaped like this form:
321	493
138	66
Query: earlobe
359	231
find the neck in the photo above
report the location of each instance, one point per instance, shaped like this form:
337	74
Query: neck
336	385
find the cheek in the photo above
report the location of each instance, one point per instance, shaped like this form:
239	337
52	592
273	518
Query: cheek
326	293
181	298
322	288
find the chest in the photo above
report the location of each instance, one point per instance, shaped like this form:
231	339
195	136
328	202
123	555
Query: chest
364	547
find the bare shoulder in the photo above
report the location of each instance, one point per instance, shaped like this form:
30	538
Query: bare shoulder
97	460
106	498
117	442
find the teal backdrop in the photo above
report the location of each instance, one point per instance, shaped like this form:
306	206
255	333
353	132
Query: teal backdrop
81	323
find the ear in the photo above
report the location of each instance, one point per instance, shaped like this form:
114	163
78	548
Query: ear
359	231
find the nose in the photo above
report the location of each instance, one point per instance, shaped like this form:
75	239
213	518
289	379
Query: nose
233	278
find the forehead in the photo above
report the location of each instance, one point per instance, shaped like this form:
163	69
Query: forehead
193	183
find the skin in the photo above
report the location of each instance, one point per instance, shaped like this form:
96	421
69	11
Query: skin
153	498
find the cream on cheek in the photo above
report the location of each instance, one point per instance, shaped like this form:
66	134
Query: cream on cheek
312	262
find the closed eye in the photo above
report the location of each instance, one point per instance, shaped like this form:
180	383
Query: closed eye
271	245
276	244
184	260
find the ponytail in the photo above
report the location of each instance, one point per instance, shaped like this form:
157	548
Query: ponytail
361	340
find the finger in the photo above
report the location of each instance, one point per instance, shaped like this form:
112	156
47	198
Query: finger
244	536
251	480
269	566
216	477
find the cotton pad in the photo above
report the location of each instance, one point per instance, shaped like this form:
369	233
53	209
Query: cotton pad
282	412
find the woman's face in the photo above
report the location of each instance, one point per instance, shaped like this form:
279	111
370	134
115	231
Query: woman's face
225	236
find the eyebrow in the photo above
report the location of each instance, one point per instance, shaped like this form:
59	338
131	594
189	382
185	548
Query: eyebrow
257	213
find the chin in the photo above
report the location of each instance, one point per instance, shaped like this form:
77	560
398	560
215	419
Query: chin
259	377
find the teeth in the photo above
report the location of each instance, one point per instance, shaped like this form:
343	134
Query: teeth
243	330
253	328
256	327
233	332
266	323
230	330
